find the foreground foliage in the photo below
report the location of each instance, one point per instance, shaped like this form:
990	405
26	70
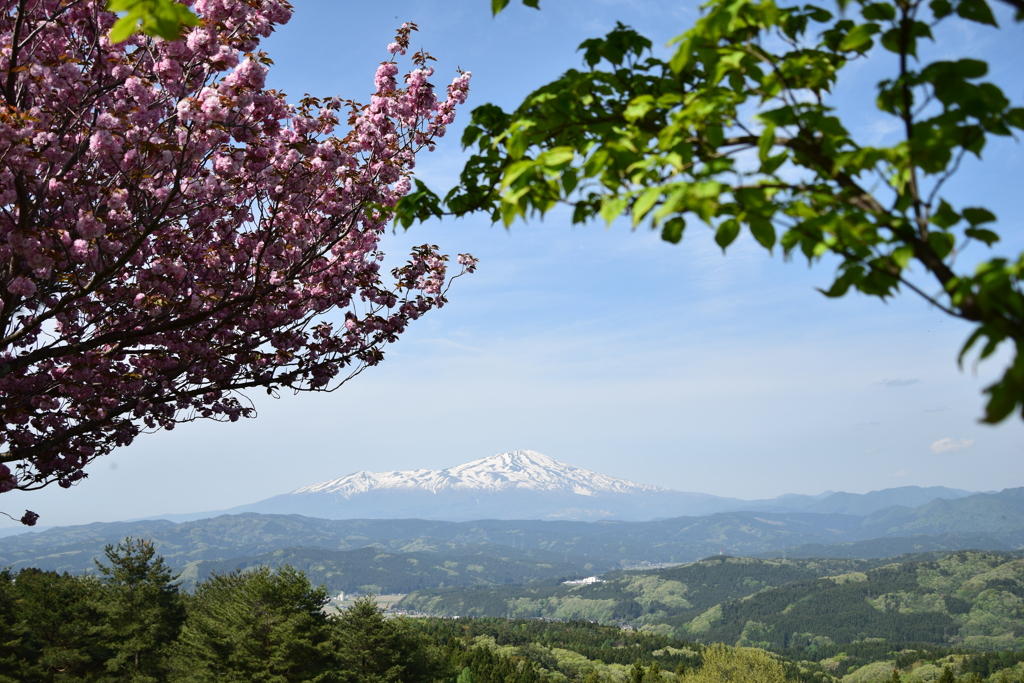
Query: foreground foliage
130	622
173	232
738	130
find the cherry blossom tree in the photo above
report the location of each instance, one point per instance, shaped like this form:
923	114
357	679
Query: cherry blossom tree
173	233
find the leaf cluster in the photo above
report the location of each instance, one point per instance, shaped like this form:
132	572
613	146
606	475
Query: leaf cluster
664	142
163	18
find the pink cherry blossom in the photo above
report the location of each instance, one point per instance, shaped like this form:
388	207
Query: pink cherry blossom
174	234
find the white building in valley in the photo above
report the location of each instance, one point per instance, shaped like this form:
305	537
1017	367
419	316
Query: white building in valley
583	582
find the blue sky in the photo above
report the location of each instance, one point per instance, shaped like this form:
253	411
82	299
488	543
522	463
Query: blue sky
607	349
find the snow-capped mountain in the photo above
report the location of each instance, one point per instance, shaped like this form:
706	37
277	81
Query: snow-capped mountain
521	470
514	485
526	485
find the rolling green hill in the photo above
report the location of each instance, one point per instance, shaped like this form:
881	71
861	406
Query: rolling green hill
683	539
964	598
369	570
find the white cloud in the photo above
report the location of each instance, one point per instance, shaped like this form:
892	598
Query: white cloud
949	444
891	383
901	473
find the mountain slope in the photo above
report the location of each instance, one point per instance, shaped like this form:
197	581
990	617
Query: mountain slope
371	570
682	539
525	484
514	485
961	598
994	513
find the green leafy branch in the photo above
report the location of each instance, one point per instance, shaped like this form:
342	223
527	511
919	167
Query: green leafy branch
163	18
663	142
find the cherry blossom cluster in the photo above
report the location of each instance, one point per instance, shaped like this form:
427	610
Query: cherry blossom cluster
173	233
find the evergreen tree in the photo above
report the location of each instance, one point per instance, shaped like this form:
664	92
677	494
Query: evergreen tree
260	626
653	674
895	677
63	635
14	653
142	609
636	673
377	650
946	676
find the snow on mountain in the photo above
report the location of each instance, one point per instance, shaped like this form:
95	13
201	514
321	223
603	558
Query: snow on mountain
520	470
526	485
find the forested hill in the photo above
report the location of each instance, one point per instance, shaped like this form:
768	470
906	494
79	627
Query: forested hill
982	521
369	570
968	598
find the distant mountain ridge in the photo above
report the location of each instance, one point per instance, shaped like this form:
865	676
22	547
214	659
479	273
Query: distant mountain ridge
982	521
525	484
528	470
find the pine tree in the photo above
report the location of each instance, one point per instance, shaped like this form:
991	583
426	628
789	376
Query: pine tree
636	673
61	627
262	625
377	650
142	609
14	653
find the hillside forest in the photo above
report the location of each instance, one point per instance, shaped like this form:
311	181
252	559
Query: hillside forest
129	620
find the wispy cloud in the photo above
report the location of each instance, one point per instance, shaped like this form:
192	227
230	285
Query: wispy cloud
891	383
936	410
949	444
901	473
880	128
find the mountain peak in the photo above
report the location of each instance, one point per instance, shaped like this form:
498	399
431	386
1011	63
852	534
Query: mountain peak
520	469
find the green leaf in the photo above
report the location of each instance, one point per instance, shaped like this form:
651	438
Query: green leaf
941	8
766	142
556	156
902	256
644	203
515	170
945	217
762	230
859	39
498	5
852	275
569	180
982	235
612	208
977	11
727	233
942	243
124	28
771	165
682	56
977	215
1015	118
164	18
879	11
638	108
673	230
715	136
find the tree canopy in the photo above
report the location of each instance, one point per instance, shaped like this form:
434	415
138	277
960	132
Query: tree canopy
737	130
174	233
